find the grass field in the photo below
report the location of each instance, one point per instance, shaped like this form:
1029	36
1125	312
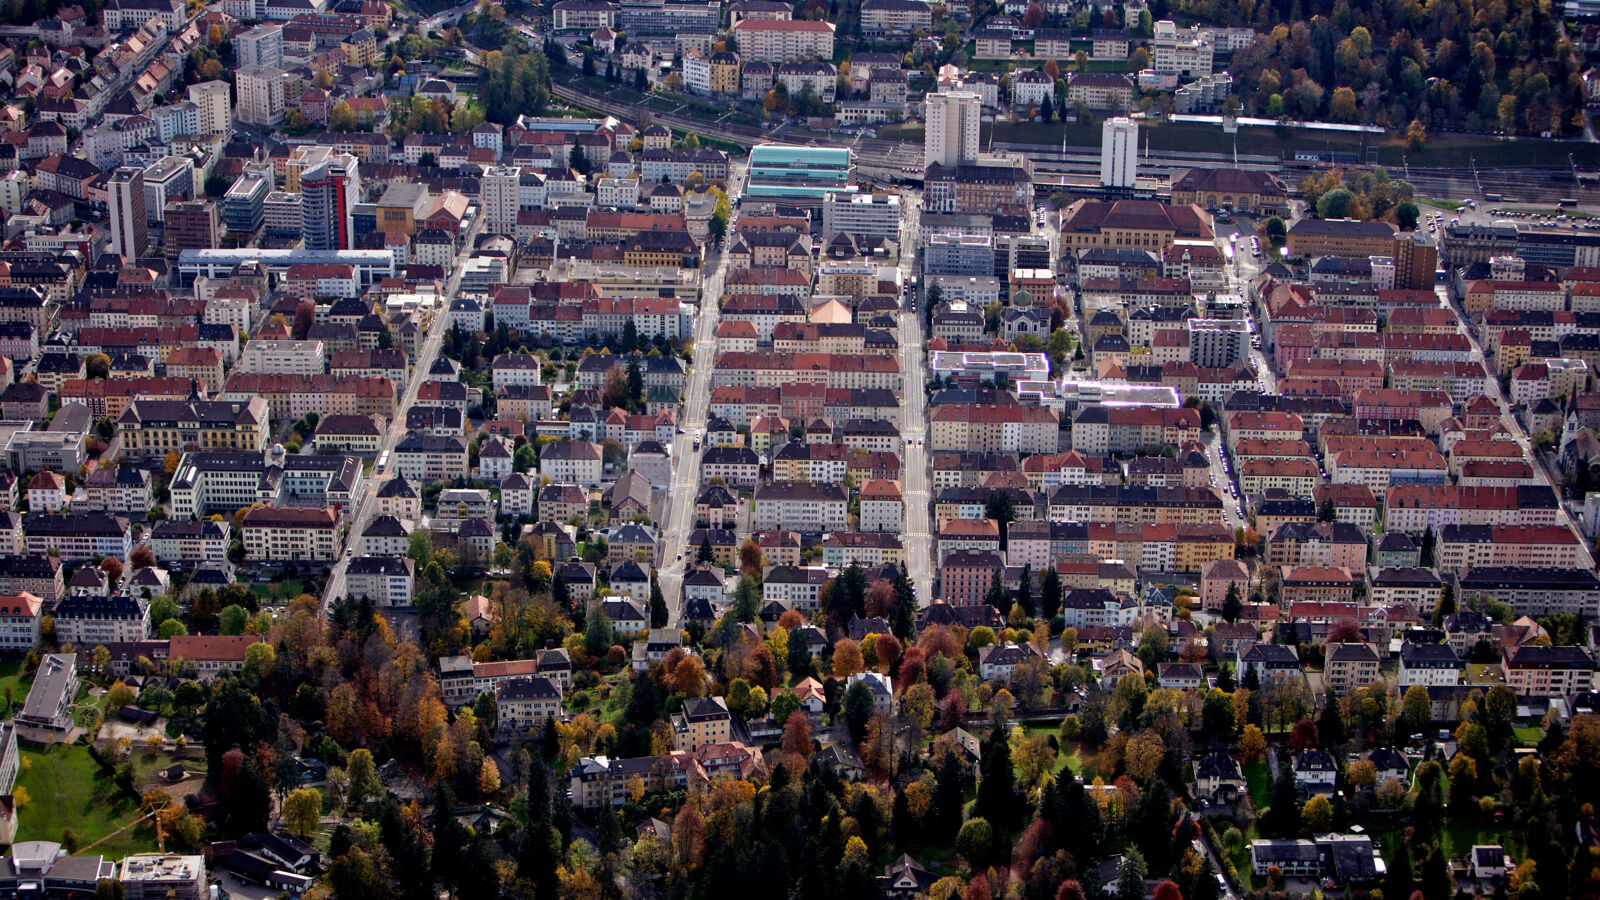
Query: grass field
287	589
1528	736
67	789
1451	205
11	679
1259	780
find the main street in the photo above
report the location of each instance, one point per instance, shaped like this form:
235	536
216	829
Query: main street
426	354
917	536
679	513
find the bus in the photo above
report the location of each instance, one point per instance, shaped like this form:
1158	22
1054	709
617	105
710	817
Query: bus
1567	202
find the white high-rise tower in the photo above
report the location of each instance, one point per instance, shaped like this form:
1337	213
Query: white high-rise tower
952	131
1119	152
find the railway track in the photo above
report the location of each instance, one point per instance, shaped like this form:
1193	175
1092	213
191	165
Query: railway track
1533	184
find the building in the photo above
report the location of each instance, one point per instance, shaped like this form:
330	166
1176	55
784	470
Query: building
260	92
1106	91
163	876
152	428
1132	224
951	136
329	191
869	215
774	41
1349	665
704	720
130	234
1119	153
274	534
54	690
192	225
387	581
260	46
91	619
19	621
1430	665
1240	190
523	704
1533	671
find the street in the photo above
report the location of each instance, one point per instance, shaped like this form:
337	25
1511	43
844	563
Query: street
917	536
426	354
679	513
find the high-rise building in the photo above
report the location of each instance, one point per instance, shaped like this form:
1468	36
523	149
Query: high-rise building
951	137
1119	152
130	233
329	192
214	100
501	199
260	94
192	225
260	46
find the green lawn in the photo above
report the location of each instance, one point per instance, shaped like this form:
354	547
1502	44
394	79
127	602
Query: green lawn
1528	736
1259	780
12	681
1066	759
288	589
1451	205
67	789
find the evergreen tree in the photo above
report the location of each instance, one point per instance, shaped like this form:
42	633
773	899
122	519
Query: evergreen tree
449	838
997	799
1283	816
1446	607
1400	881
903	622
1330	724
996	596
658	603
1232	606
703	555
1025	590
947	795
1050	593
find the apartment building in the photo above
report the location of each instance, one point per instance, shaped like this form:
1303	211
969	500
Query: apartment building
151	428
801	506
273	534
1533	671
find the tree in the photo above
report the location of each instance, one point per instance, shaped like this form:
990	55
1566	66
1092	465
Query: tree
1050	593
1342	105
1317	814
858	709
362	775
1167	889
1252	743
301	810
1335	204
1232	606
1406	214
1130	881
305	316
596	632
658	603
847	659
614	391
975	843
1416	710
